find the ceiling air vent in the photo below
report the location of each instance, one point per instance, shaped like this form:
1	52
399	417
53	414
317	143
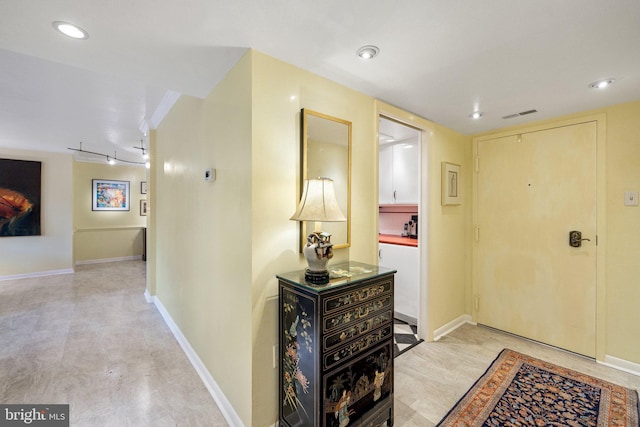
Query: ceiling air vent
524	113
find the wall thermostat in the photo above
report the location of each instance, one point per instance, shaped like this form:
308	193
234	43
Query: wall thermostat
210	174
631	198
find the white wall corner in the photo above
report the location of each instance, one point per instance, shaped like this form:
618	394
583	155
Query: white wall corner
170	98
452	326
621	364
150	298
224	405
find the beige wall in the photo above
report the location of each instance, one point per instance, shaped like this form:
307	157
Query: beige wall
623	232
280	91
151	218
203	229
220	245
620	236
52	251
100	235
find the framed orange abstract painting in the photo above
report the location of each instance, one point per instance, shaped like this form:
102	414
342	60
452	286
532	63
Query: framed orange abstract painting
20	187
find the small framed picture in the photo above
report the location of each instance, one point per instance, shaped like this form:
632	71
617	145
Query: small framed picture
143	207
110	195
451	184
143	187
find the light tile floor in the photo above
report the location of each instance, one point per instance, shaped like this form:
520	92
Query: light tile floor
91	340
432	377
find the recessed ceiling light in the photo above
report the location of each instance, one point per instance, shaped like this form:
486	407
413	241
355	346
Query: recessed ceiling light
601	84
368	52
476	115
70	30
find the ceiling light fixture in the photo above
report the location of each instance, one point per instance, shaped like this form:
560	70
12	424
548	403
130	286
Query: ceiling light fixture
476	115
601	84
70	30
368	52
110	159
145	155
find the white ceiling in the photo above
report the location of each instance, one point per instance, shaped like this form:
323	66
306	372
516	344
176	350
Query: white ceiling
439	59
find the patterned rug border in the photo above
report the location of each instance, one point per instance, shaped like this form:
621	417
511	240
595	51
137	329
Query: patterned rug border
460	415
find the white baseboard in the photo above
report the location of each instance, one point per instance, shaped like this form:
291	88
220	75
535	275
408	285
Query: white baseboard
225	407
452	326
37	274
405	318
105	260
621	364
150	298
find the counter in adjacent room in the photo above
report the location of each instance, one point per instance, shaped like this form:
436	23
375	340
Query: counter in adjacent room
397	240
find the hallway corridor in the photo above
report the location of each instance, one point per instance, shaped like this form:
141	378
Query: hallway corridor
91	340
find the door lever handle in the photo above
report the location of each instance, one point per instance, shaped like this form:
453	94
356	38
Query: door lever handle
575	239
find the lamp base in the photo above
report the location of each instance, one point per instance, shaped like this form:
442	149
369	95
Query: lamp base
316	277
317	251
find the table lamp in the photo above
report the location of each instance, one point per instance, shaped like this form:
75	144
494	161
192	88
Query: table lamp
318	203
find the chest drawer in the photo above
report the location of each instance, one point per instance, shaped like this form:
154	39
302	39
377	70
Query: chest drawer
340	336
358	345
355	296
356	312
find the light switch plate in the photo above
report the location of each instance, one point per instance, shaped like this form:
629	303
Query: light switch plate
631	198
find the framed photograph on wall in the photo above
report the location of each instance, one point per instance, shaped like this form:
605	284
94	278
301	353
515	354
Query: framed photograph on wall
143	187
143	207
451	184
110	195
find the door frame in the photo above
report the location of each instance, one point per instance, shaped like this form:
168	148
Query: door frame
601	197
404	117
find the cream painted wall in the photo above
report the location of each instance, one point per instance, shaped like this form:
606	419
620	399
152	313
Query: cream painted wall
280	91
220	245
621	234
100	235
151	218
450	231
203	230
52	251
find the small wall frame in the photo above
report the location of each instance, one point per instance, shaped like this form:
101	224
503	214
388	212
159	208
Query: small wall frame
451	184
144	206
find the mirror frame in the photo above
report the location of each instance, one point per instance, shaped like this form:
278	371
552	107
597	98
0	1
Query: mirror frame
304	153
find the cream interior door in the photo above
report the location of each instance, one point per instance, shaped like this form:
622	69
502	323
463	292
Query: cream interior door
532	190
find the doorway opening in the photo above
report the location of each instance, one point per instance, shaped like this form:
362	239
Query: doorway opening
399	232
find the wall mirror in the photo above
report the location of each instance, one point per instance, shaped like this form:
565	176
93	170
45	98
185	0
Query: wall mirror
326	152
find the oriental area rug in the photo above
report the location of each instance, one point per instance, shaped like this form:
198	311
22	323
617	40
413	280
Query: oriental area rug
519	390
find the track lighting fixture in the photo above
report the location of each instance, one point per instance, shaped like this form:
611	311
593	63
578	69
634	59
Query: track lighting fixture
145	155
110	159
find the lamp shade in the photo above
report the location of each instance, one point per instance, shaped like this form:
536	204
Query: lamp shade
318	202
